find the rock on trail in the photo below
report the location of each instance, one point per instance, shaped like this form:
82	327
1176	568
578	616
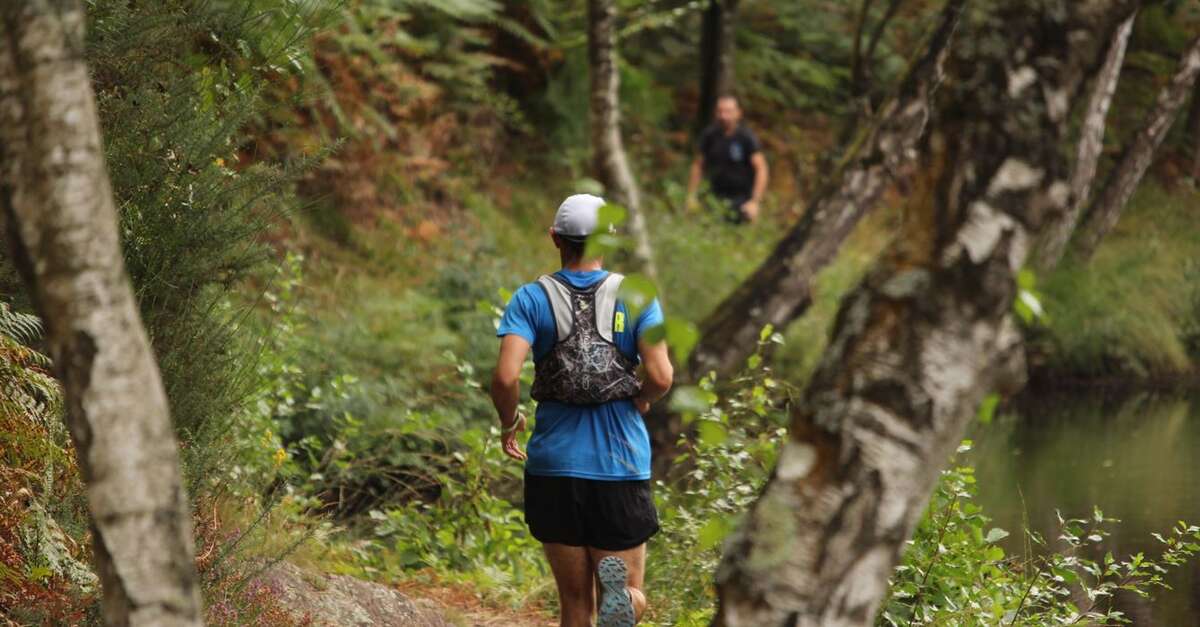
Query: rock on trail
345	601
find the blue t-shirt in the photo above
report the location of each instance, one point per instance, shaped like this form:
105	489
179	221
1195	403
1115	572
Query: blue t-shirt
606	441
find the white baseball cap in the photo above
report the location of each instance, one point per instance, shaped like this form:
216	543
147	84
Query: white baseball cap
577	216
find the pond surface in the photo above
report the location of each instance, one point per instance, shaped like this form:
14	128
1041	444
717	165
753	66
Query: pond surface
1133	457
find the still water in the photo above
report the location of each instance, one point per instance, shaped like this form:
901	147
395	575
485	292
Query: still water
1134	457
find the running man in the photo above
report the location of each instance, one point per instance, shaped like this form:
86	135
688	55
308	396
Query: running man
731	159
587	472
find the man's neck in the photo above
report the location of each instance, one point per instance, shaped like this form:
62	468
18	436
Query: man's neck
584	266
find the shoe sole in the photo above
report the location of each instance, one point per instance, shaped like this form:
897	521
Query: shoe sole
616	606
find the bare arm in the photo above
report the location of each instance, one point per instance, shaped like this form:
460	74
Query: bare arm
761	175
656	361
506	391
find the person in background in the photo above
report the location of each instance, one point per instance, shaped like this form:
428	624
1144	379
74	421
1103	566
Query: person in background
731	160
587	470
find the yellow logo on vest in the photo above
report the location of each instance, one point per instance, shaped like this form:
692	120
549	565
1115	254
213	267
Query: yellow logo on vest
619	322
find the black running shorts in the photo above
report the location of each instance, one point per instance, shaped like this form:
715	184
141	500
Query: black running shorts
606	515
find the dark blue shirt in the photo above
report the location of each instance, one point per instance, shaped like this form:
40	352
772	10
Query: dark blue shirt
727	163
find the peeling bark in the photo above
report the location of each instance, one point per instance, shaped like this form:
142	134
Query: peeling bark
59	206
1087	156
1124	179
927	334
611	162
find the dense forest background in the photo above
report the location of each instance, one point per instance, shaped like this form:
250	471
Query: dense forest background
323	207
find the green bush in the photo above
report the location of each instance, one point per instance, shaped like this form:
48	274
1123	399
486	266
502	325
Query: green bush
954	571
177	82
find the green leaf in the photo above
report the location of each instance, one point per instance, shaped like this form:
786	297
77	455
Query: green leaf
1026	279
691	399
681	336
713	532
995	535
587	185
636	292
712	433
987	409
602	244
1029	306
609	217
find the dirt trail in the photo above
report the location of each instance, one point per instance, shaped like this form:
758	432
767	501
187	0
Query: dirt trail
344	601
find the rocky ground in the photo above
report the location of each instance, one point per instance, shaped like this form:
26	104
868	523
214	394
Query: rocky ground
344	601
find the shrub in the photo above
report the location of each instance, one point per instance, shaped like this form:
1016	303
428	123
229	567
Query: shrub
176	82
955	572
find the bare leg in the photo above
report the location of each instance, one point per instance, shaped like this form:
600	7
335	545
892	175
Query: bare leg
635	560
573	573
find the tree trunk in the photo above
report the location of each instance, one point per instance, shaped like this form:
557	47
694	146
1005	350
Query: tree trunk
717	48
1124	179
877	36
863	91
1087	156
780	289
611	163
1193	133
58	207
929	332
857	66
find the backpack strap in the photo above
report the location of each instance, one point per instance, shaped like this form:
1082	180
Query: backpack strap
560	304
606	304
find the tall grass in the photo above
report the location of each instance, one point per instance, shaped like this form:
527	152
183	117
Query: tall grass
1132	311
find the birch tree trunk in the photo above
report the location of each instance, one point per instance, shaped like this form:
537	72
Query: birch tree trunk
1087	156
928	333
58	208
717	49
611	162
1124	179
780	289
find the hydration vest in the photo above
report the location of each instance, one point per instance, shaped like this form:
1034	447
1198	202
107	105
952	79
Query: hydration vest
584	367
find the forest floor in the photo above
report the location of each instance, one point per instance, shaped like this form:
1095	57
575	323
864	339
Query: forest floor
463	607
342	600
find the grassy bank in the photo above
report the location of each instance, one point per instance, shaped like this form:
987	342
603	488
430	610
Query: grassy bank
1132	314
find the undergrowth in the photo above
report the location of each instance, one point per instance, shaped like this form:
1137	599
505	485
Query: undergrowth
43	553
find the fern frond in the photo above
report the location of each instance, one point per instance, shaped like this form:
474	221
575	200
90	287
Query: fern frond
20	326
